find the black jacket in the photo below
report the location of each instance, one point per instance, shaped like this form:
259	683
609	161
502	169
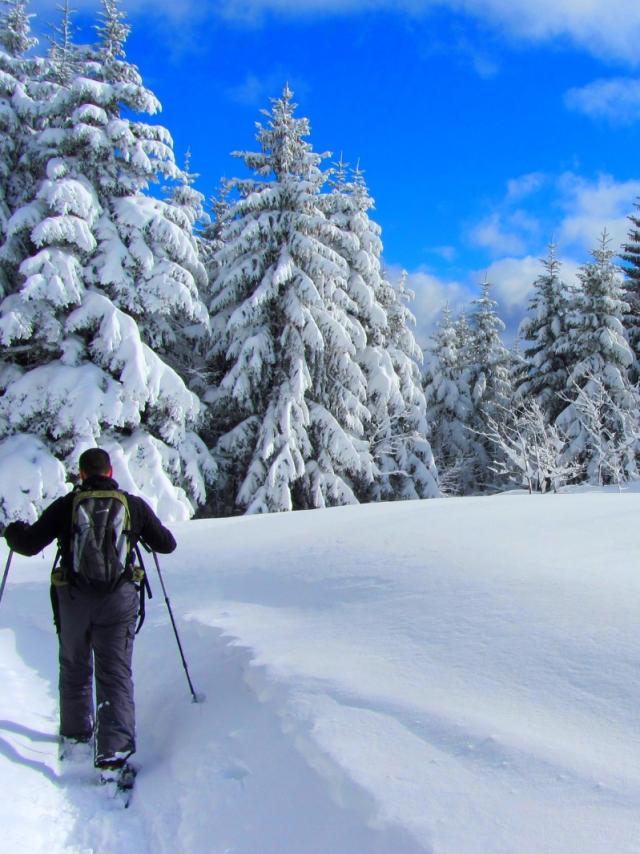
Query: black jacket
55	523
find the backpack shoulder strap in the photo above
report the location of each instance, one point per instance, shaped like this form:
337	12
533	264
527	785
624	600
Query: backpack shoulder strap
84	494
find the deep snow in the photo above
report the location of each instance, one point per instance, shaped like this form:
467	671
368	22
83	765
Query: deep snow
456	675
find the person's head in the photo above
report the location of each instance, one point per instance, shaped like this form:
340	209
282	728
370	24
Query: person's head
94	461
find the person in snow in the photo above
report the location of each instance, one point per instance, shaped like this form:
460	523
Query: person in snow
95	619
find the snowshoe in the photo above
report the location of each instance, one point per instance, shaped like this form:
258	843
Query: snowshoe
119	781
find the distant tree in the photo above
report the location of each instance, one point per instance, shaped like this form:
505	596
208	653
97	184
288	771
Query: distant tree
631	289
531	449
415	474
545	331
449	405
394	412
601	358
607	428
517	364
488	377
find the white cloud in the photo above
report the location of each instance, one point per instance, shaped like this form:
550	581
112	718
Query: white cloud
432	294
525	185
594	25
573	212
256	90
447	253
591	206
616	99
251	91
597	26
485	66
512	279
505	232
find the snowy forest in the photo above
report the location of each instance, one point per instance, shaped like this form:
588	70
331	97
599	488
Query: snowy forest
250	353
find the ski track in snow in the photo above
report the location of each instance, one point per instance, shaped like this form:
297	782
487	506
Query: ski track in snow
453	676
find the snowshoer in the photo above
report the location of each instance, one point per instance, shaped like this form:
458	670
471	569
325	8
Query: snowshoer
95	602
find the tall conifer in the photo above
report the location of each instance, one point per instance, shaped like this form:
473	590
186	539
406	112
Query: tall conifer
449	405
545	332
631	289
395	423
290	397
105	271
601	404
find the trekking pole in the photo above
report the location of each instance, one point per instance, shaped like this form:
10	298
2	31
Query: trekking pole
197	698
6	573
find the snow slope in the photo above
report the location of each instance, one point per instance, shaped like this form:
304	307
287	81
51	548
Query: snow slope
454	676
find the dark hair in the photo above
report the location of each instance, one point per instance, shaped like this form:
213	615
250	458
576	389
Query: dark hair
94	461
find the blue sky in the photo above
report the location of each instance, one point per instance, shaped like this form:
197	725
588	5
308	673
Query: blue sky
486	128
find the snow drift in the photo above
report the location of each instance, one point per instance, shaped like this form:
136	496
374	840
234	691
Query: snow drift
451	676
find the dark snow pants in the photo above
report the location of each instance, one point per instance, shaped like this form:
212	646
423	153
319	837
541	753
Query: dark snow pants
98	631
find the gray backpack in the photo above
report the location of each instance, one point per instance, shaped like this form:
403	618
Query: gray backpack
100	537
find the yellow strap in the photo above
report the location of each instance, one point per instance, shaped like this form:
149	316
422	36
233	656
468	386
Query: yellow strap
58	578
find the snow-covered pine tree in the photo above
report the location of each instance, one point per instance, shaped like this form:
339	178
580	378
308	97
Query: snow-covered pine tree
598	375
191	343
414	473
18	115
210	240
386	349
517	364
106	271
467	476
64	55
488	377
631	288
448	405
290	402
545	330
31	476
15	34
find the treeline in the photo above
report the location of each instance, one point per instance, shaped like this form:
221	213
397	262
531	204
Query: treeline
564	405
251	357
251	354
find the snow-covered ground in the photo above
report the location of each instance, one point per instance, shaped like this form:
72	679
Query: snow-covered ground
453	676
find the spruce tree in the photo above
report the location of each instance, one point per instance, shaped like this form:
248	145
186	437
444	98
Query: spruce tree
64	56
601	405
415	474
448	405
290	399
631	289
106	271
517	365
395	423
545	330
187	351
488	378
19	114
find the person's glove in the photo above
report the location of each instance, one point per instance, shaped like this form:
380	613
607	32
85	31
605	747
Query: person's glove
14	529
